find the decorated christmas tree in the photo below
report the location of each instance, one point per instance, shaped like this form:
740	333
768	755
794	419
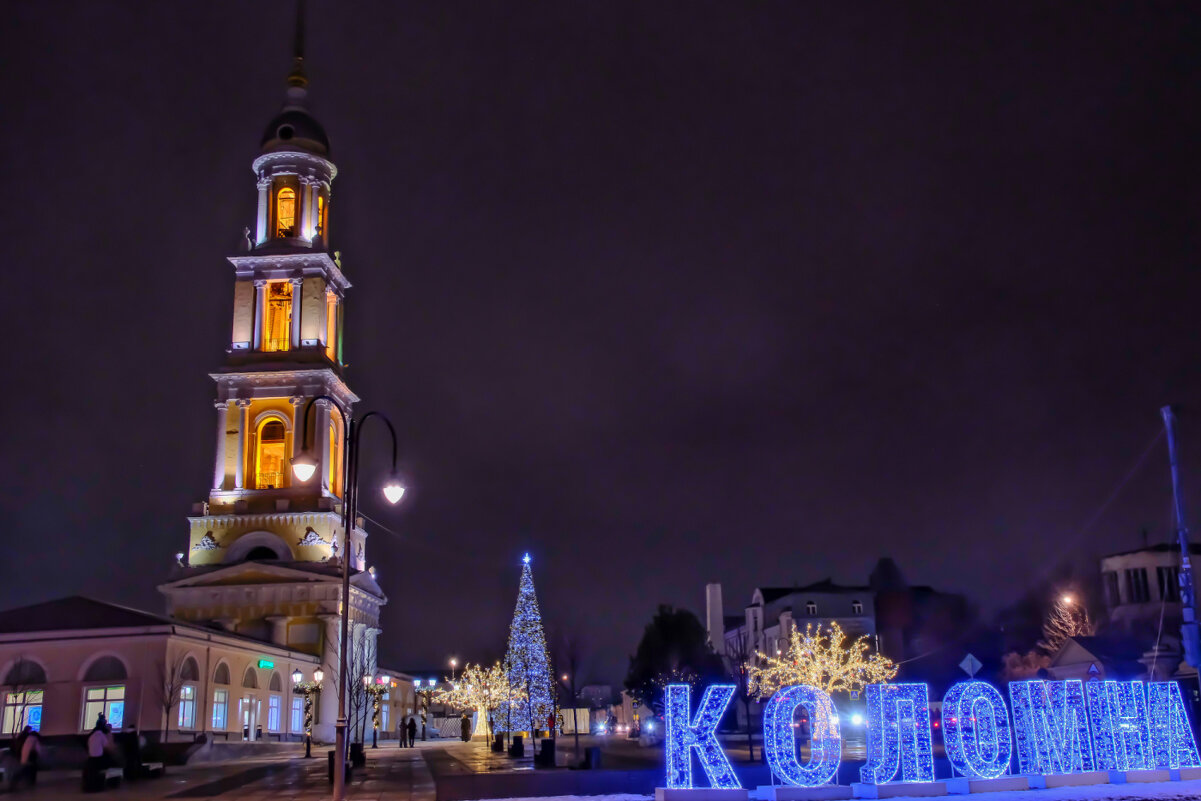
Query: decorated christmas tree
528	663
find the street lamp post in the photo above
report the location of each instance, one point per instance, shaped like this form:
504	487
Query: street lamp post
308	688
425	696
376	690
304	466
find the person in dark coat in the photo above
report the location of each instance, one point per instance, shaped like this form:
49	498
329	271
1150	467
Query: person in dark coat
412	732
465	728
402	733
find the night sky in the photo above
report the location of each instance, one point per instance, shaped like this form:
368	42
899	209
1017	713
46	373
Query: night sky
664	293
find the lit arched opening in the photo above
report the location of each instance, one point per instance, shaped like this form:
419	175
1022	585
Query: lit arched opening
277	335
285	213
270	454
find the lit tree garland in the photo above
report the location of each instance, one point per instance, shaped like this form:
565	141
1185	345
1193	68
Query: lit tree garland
480	689
528	663
822	660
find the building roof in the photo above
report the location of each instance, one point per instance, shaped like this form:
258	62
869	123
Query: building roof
1163	547
825	585
77	612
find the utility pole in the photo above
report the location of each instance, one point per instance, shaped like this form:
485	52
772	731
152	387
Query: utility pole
1189	633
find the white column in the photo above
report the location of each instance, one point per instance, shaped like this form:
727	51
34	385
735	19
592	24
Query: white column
297	286
310	207
324	444
260	305
222	424
328	700
264	198
243	424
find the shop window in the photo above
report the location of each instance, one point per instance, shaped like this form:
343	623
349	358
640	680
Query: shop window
187	706
22	708
273	712
108	701
298	715
220	708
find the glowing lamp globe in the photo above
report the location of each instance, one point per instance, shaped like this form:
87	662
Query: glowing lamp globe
304	466
318	675
297	676
393	490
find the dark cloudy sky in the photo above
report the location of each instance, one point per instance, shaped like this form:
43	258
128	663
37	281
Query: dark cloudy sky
663	292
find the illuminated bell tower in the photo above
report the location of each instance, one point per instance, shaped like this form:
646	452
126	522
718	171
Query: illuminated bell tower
264	551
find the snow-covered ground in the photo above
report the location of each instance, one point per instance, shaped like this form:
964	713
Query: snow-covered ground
1159	791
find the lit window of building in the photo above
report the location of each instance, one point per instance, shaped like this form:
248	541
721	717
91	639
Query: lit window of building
270	455
285	213
220	709
277	335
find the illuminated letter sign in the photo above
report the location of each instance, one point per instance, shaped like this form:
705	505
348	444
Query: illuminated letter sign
266	663
898	731
975	730
1172	743
700	733
1121	735
779	738
1051	723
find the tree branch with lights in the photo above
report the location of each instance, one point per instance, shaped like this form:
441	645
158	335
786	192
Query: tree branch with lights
820	658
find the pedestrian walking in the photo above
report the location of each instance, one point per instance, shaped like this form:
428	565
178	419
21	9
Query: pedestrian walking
412	732
401	734
31	754
98	747
465	728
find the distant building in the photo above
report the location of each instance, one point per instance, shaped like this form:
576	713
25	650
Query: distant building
1143	585
768	621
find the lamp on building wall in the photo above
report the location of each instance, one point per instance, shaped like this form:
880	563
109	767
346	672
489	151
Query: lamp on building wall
304	466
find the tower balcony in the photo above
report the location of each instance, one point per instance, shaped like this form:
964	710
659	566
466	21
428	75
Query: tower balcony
268	500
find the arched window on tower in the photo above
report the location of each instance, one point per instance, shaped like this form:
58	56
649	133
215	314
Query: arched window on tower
270	456
331	326
278	333
285	213
335	459
320	216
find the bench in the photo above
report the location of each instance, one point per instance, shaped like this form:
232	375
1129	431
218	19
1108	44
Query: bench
112	777
152	769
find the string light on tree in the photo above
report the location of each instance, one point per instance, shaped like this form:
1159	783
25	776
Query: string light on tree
819	659
529	664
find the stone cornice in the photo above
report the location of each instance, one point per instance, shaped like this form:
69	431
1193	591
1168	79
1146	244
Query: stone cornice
303	383
293	158
280	266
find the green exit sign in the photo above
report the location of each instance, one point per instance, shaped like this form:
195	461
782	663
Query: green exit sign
266	663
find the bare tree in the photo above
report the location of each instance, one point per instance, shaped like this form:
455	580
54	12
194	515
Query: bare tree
21	677
361	663
170	685
738	654
1068	618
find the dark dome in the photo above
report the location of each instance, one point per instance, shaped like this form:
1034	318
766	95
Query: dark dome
295	129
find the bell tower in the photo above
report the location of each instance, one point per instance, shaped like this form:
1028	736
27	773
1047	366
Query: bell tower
265	551
285	347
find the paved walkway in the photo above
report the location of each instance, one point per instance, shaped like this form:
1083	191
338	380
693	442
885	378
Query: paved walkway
391	774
